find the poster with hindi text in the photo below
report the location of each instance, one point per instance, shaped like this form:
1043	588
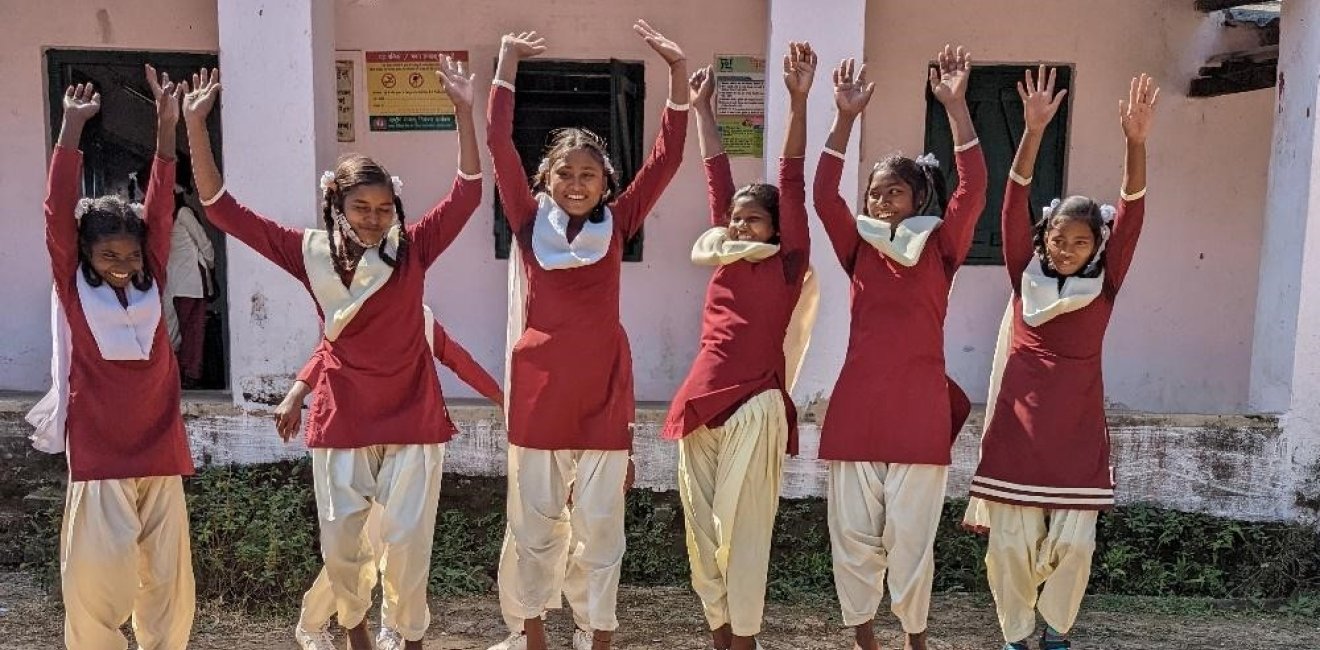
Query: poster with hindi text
344	93
405	94
740	104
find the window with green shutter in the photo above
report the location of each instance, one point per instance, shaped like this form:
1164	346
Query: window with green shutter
997	113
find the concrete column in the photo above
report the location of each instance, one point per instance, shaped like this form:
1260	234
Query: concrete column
277	67
835	33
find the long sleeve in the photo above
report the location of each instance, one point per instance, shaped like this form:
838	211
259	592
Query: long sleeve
1015	227
62	189
636	202
510	179
456	358
312	371
159	209
719	188
840	224
441	225
794	231
279	244
965	206
1122	244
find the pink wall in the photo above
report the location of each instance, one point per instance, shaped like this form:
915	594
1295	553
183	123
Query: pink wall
173	25
1181	337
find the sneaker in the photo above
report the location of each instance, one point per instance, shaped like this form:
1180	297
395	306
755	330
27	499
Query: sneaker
387	639
1050	639
581	639
516	641
318	640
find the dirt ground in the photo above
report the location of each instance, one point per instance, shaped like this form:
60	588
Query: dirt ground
670	619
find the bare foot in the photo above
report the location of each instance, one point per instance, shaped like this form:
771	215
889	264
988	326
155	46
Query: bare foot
412	645
743	643
358	638
601	639
915	642
722	638
865	636
534	630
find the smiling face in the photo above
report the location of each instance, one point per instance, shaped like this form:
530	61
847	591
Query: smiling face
577	182
116	259
370	211
1069	244
889	198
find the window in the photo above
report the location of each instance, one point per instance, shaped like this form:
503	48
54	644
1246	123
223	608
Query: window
997	113
607	97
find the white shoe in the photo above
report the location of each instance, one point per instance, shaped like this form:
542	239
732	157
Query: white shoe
387	639
318	640
581	639
516	641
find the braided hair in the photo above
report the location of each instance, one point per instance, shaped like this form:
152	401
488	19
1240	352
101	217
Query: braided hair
110	216
929	190
1073	208
563	141
764	195
352	172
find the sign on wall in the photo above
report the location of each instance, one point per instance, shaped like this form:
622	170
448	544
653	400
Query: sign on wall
740	104
404	93
344	92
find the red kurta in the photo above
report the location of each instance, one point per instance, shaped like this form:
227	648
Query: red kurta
747	312
571	383
447	351
123	419
1048	433
379	385
891	403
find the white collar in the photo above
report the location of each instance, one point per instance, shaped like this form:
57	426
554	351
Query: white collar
903	243
714	248
340	303
550	242
1043	300
121	333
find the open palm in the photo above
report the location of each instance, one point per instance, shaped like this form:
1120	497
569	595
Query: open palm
948	79
799	68
457	82
1138	111
200	98
522	45
667	49
81	102
851	92
1039	101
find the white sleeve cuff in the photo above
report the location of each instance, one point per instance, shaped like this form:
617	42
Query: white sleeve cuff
1018	179
966	146
503	84
836	154
469	177
211	201
1133	196
677	107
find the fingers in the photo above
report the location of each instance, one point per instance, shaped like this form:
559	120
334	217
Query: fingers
152	81
1049	88
1022	92
861	75
1058	100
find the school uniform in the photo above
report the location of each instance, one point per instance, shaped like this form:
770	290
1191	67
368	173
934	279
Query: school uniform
570	394
377	423
191	257
733	416
318	604
1045	467
114	410
889	424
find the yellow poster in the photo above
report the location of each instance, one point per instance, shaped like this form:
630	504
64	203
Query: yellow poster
405	94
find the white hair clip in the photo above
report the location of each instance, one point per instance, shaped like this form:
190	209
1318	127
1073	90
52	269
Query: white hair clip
84	204
139	210
928	160
1049	209
1107	213
327	181
398	185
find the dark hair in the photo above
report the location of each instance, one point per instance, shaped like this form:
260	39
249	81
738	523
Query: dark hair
353	171
563	141
766	196
110	216
1073	208
926	181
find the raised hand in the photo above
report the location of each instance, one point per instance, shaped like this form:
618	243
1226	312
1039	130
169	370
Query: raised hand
851	92
799	68
457	82
701	89
521	45
948	80
1039	101
167	95
1138	112
81	102
667	49
200	98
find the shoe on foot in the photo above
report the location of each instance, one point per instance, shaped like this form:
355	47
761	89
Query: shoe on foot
314	640
581	639
516	641
1020	645
1051	639
387	639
